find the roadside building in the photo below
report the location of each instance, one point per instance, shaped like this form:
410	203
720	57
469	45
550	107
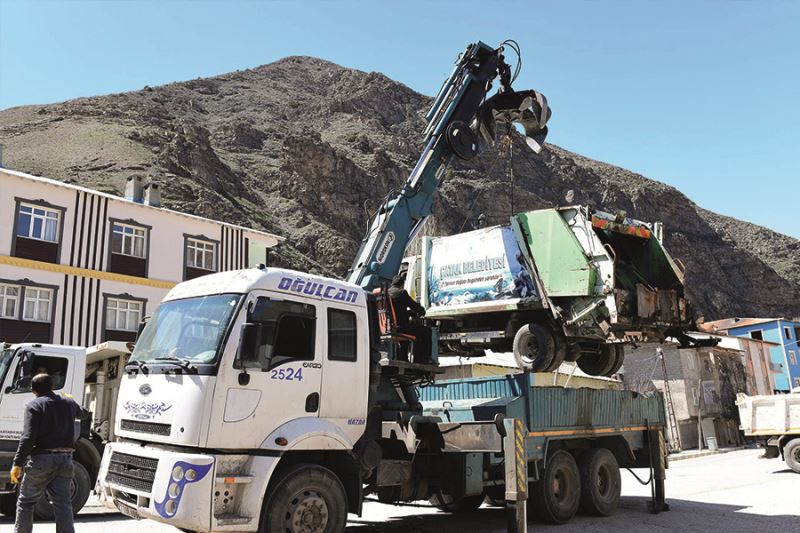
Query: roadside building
783	333
79	267
700	385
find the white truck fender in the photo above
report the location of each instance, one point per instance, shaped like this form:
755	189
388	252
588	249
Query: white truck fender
308	433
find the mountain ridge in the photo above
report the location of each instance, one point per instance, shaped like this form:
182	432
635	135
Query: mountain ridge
305	148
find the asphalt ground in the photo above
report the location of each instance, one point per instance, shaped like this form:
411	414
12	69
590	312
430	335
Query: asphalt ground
731	492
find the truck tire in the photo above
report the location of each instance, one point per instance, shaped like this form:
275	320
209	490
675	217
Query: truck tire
79	493
600	364
559	354
467	504
620	349
306	498
555	498
8	504
600	482
791	454
534	347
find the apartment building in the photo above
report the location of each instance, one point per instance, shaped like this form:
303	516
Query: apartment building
79	267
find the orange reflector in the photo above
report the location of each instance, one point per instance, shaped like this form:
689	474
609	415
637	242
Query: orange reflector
229	480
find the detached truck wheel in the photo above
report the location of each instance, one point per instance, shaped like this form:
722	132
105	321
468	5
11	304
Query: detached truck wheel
555	498
600	482
791	454
534	347
78	493
306	499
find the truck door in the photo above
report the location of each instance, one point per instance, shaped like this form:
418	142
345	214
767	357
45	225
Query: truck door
16	389
283	386
345	382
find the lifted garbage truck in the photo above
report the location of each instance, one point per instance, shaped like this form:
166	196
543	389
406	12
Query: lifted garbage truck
89	375
568	283
775	418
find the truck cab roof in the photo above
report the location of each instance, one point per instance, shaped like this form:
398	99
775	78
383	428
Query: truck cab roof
272	279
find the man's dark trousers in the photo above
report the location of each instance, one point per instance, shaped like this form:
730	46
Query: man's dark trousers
50	472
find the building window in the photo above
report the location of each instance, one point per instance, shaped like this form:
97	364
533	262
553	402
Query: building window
341	335
797	382
792	358
201	254
123	315
36	222
757	334
128	240
37	304
9	301
787	332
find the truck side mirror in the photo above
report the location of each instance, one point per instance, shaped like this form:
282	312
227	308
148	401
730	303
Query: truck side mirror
249	344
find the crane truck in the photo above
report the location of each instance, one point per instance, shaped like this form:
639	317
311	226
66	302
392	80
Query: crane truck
272	400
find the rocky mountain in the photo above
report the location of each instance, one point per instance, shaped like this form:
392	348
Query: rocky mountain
306	149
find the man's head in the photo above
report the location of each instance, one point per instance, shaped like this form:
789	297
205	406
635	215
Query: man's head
41	384
400	279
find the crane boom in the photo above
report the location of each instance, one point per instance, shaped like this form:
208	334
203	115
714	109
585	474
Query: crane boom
459	115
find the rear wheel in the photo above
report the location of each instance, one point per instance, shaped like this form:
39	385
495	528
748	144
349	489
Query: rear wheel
555	497
620	349
306	499
534	347
600	482
600	364
791	454
79	491
461	505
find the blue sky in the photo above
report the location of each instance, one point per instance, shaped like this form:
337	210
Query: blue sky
703	95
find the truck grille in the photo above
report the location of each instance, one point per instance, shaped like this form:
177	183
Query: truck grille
132	471
146	427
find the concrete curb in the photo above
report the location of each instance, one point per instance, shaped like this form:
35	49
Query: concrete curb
705	453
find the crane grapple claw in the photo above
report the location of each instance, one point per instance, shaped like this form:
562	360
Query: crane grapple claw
526	108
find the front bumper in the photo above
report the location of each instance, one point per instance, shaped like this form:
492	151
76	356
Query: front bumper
149	482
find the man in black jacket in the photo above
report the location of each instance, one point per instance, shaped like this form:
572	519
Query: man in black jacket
405	308
45	448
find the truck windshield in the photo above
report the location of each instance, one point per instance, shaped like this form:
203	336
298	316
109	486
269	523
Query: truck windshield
190	329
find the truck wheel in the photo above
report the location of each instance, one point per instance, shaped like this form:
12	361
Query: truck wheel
534	347
600	482
78	492
600	364
447	504
559	353
8	504
556	497
306	499
620	349
791	454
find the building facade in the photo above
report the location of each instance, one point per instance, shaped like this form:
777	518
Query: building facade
783	333
79	267
702	384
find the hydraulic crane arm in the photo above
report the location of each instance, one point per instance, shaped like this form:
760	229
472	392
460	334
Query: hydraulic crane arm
460	113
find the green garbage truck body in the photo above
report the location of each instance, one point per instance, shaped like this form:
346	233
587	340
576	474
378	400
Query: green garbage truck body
555	284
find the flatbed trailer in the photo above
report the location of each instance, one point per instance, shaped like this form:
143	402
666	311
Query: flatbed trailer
574	442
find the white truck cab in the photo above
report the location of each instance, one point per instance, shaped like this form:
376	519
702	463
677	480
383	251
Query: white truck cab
232	372
88	375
